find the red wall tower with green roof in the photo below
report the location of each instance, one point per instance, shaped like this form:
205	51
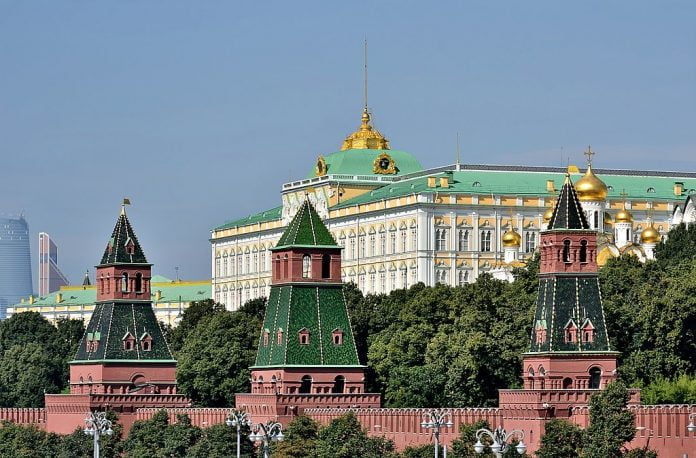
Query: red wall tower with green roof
306	355
123	361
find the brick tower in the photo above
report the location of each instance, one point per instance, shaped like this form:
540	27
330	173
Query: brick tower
569	347
123	361
306	355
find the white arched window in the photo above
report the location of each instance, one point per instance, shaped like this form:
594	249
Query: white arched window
224	265
373	245
529	241
462	277
404	240
306	266
441	240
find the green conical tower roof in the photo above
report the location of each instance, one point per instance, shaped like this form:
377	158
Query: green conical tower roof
303	318
568	213
306	230
123	246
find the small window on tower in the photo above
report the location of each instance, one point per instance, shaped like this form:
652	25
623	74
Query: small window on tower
337	335
128	342
304	336
279	337
571	332
566	251
265	337
306	266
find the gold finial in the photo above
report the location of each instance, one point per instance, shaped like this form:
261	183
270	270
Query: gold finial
589	153
126	201
623	216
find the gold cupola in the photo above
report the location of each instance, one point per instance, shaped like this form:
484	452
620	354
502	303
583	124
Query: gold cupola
366	137
589	187
623	216
511	238
650	235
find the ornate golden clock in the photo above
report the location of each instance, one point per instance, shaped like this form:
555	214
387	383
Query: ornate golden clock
321	168
384	165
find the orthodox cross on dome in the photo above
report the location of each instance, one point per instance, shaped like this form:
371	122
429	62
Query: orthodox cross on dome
589	153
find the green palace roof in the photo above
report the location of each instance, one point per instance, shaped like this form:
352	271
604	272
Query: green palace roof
508	180
306	230
169	292
361	162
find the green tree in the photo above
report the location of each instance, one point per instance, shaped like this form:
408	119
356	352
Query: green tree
679	246
214	362
221	441
561	439
640	453
421	451
300	439
26	441
664	391
27	372
193	314
463	446
611	423
345	438
158	438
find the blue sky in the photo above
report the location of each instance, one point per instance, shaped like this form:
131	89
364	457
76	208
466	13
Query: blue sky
199	111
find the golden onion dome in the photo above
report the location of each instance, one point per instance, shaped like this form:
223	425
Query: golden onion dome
590	188
624	216
607	219
511	238
548	214
650	235
366	137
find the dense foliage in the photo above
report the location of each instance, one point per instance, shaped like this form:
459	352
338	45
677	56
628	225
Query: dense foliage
34	357
561	439
217	351
664	391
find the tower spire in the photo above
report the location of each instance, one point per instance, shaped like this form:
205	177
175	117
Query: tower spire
458	154
365	109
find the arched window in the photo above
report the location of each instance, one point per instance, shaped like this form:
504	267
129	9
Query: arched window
303	336
138	282
373	246
392	242
441	240
285	266
306	384
325	266
108	283
530	241
628	234
583	251
567	383
306	266
595	377
339	384
596	220
566	251
124	282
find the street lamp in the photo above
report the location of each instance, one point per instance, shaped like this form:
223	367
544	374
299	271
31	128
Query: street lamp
97	425
500	438
238	419
270	432
436	419
691	426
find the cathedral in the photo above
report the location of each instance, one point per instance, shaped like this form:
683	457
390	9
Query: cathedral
399	223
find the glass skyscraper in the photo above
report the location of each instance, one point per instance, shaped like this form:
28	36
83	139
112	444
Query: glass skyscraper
15	262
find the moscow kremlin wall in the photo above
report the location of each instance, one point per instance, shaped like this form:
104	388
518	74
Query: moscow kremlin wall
307	362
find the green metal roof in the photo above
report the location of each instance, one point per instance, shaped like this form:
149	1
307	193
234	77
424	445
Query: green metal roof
316	310
361	162
306	230
170	292
123	236
568	212
523	183
268	215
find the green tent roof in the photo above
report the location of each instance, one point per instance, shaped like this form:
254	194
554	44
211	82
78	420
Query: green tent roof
307	230
123	246
568	212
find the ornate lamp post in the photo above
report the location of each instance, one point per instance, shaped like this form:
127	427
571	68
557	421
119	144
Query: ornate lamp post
500	438
238	419
691	427
97	425
436	419
270	432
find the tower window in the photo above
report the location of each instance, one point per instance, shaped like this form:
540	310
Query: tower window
326	266
306	266
124	282
595	378
279	337
596	220
128	342
566	251
138	282
571	332
339	384
306	384
337	336
265	337
303	335
583	251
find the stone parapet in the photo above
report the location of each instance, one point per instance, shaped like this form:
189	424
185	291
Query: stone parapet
201	417
24	416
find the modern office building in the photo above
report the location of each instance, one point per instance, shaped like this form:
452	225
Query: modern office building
15	262
50	276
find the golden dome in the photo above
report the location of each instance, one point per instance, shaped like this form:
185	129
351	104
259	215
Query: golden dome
548	214
590	188
624	216
511	238
607	219
365	137
650	235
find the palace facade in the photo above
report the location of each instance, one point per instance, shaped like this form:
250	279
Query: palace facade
400	224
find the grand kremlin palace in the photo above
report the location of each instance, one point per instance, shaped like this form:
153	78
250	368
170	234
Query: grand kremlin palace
400	224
